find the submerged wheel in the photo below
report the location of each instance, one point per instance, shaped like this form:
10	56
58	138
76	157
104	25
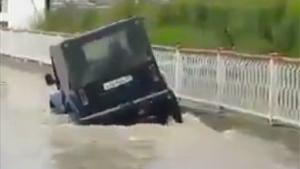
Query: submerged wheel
174	110
73	115
177	116
74	118
51	105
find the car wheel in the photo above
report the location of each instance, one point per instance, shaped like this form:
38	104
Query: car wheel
67	109
177	116
51	105
175	111
75	119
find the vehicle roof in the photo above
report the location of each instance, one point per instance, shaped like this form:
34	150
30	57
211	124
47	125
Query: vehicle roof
104	28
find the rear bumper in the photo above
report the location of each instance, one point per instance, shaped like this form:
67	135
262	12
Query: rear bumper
132	112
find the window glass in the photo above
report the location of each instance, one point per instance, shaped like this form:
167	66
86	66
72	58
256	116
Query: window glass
112	54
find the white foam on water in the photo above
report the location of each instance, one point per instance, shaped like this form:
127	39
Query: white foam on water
33	138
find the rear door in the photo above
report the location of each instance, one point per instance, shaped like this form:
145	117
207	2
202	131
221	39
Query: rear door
137	83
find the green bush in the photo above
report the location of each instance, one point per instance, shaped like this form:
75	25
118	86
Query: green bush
70	19
124	9
257	26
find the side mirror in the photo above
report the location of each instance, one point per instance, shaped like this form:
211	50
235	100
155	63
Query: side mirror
49	79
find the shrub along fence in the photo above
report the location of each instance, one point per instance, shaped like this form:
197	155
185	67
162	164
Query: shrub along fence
262	85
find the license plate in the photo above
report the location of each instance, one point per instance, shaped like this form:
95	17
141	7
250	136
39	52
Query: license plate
117	82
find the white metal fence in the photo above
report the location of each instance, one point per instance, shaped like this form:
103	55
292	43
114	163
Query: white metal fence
261	85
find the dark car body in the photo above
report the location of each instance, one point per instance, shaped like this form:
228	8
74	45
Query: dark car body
110	76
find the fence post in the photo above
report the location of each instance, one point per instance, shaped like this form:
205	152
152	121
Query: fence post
271	90
220	77
178	70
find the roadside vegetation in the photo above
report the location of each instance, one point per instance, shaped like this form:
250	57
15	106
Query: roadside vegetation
254	26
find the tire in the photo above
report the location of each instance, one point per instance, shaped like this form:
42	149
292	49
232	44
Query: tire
67	109
175	111
74	118
177	116
51	105
73	115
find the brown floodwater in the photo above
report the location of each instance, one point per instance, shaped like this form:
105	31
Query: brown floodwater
33	138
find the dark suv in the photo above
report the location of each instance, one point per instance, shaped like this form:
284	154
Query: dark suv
110	76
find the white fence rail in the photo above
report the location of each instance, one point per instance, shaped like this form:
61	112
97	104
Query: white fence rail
28	44
261	85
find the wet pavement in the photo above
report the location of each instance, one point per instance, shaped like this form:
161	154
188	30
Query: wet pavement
33	138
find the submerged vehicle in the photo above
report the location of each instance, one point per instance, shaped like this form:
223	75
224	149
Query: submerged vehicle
110	76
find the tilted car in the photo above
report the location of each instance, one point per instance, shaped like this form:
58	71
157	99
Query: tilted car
110	76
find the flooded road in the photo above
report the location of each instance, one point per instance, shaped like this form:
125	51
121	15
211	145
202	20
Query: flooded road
33	138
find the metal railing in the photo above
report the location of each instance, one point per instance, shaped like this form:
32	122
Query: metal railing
262	85
266	86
